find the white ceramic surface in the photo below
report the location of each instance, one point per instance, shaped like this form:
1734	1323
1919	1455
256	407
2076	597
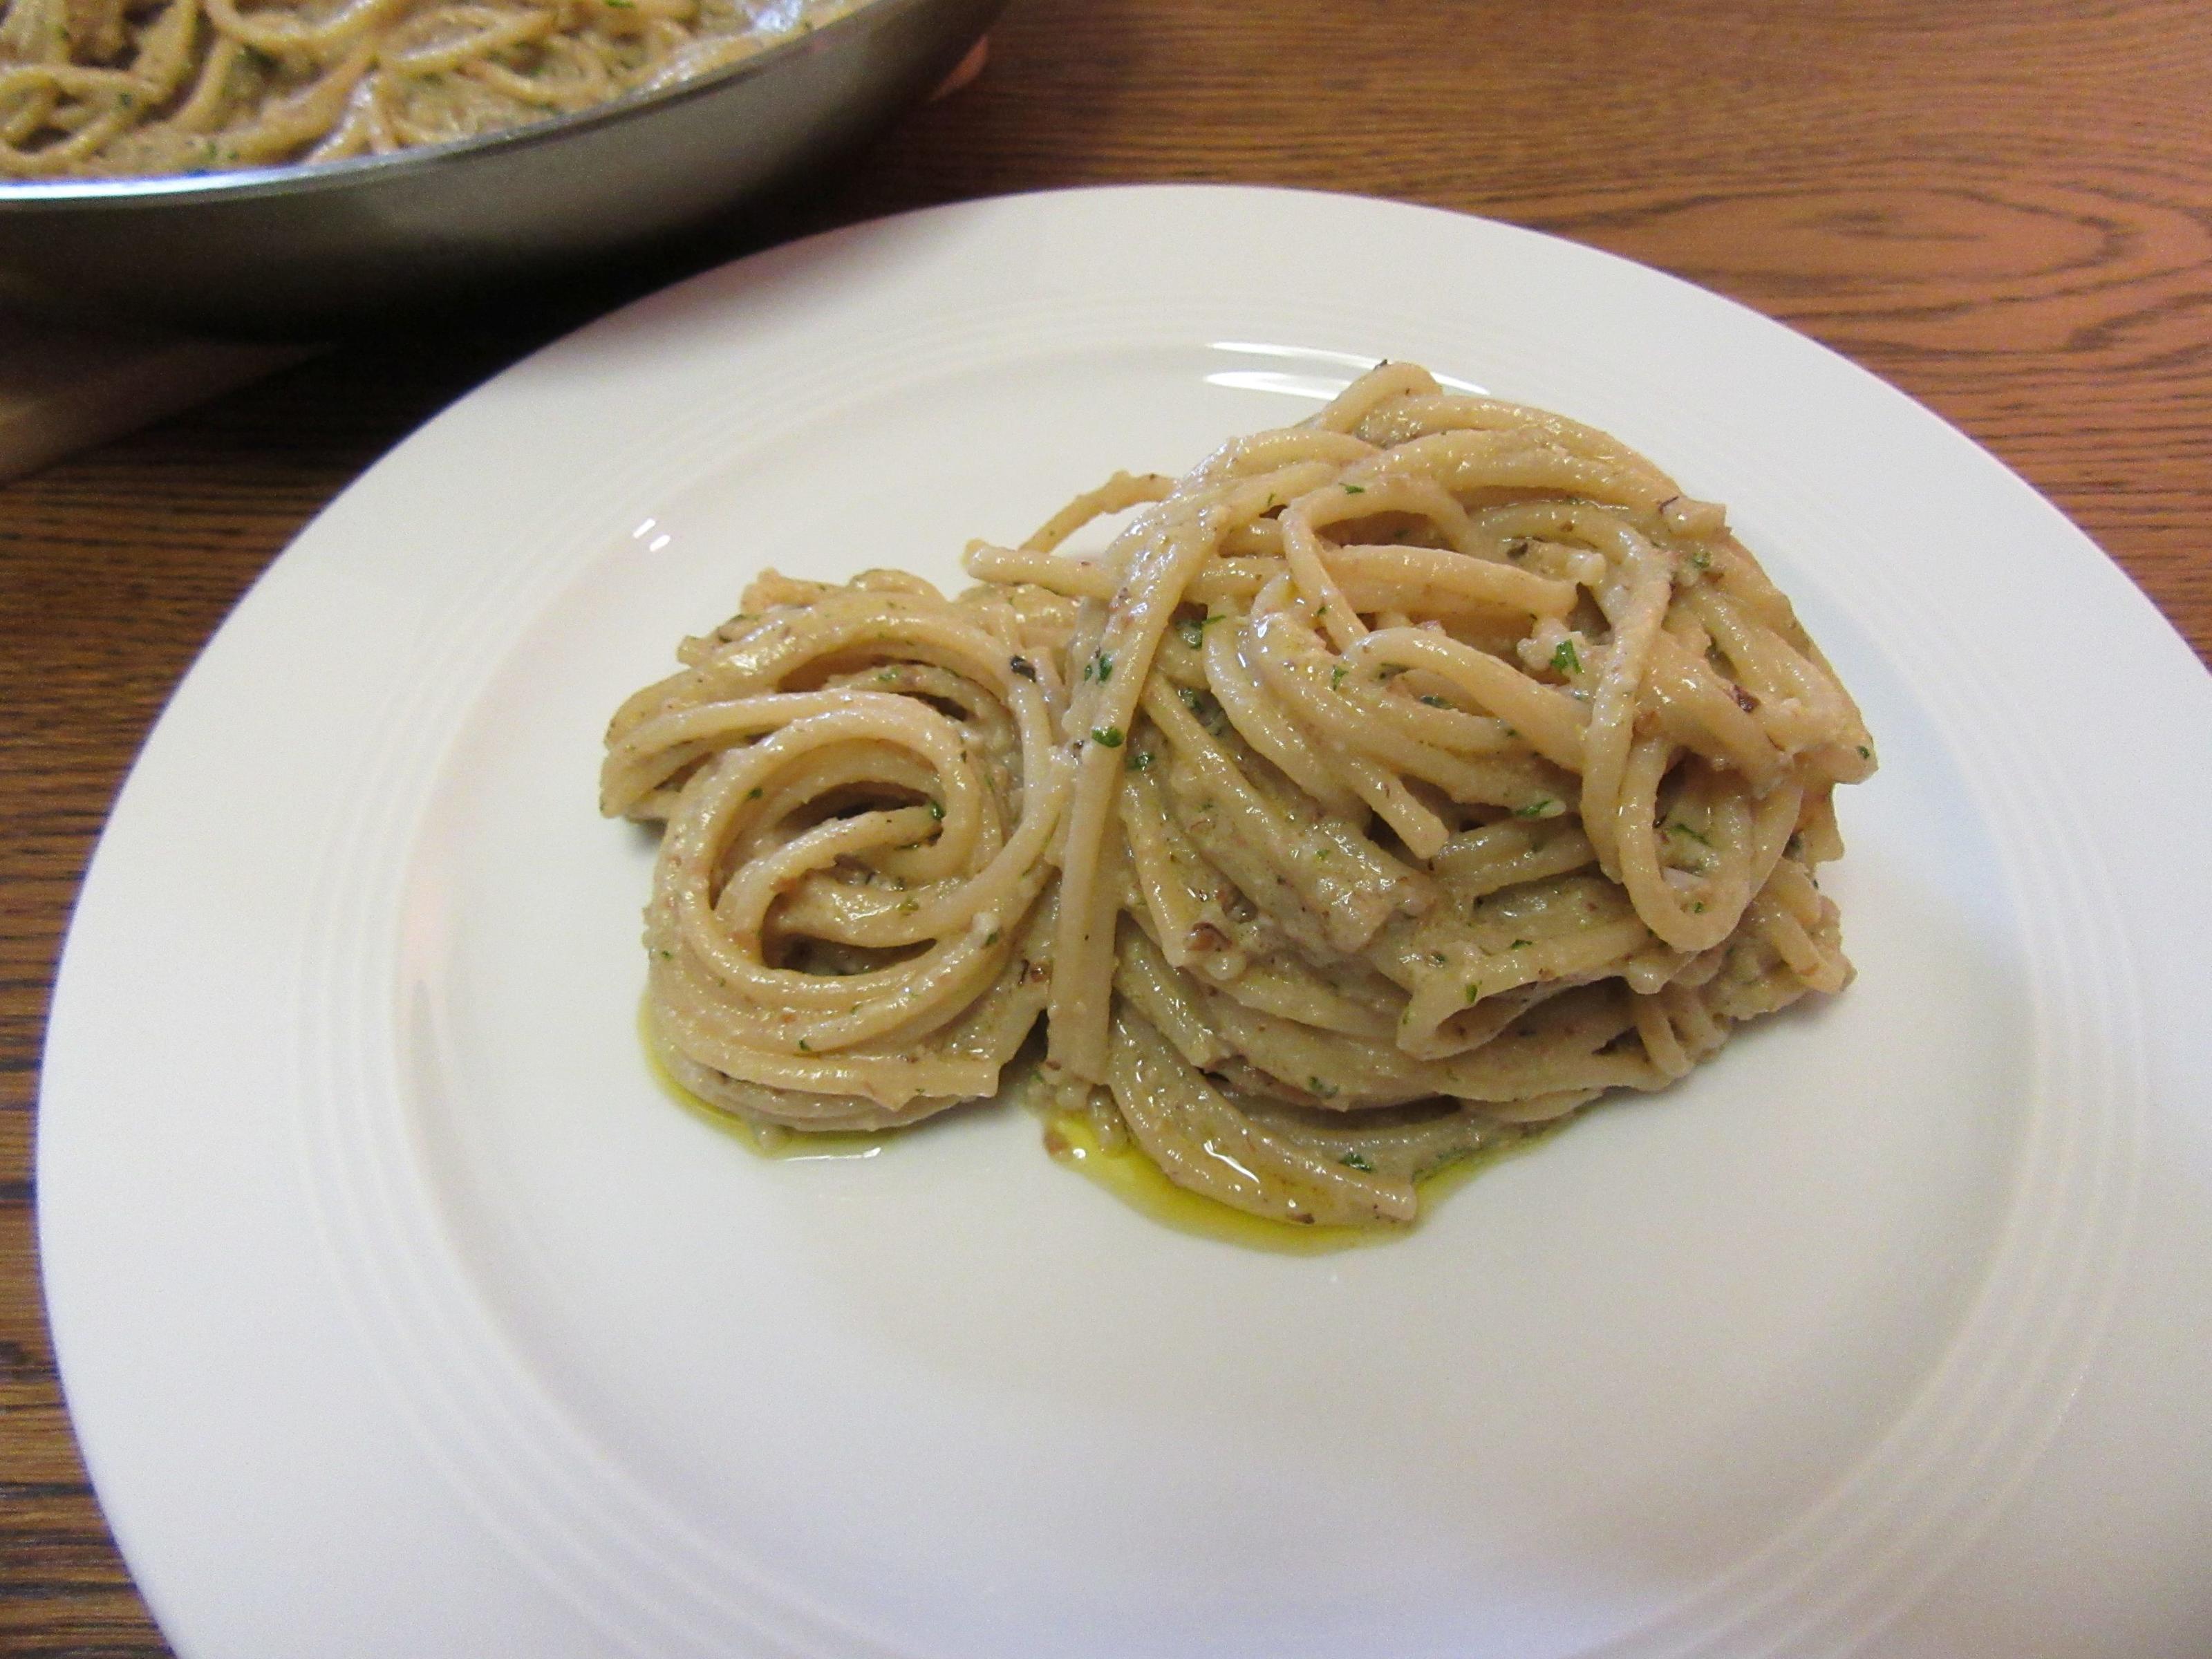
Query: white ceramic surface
400	1313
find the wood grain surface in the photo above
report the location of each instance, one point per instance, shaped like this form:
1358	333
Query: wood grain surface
2002	206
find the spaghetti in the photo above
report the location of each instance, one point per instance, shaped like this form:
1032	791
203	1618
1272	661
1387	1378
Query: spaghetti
1392	784
140	87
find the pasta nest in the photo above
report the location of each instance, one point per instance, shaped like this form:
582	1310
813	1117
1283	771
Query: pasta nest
1391	785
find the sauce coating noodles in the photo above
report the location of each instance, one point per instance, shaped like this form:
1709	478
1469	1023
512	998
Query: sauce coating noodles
1393	783
130	87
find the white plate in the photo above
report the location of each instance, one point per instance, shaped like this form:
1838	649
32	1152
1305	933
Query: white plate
402	1314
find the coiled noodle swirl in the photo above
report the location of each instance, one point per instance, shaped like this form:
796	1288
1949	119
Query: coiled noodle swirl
1392	783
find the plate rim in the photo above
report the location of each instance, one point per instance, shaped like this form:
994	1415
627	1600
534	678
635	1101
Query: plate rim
53	1129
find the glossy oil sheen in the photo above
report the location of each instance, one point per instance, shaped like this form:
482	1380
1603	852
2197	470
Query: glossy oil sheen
1139	1183
765	1140
1128	1173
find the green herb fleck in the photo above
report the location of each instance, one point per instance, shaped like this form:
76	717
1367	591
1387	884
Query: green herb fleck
1099	668
936	810
991	938
1565	659
1865	753
1519	945
1140	760
1355	489
1106	737
804	1047
753	793
1325	1090
1473	990
886	676
1356	1161
1698	908
1535	809
1193	629
1701	560
1436	957
1680	828
1202	704
1436	701
1336	677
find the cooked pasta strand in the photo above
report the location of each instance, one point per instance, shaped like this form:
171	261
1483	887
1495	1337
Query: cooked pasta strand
98	88
1390	783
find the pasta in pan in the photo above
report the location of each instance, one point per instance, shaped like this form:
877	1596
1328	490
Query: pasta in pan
1393	783
124	87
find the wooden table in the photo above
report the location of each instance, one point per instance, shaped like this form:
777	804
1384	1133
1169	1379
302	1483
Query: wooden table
2003	206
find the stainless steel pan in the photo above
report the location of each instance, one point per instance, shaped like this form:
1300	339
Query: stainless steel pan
299	249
